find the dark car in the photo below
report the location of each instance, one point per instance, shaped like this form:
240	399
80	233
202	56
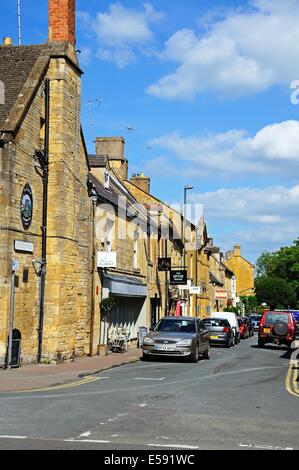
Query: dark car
255	320
243	327
278	328
184	337
220	331
250	326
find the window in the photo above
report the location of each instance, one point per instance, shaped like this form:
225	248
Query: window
107	179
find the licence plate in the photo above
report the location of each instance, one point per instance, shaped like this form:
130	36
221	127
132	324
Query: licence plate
267	330
164	348
214	337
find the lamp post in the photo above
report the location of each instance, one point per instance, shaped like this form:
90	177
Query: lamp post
186	188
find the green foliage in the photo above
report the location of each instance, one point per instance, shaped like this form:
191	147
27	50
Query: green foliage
250	303
282	264
107	305
276	292
232	309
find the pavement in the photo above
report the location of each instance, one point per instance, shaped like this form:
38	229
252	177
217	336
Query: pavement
39	376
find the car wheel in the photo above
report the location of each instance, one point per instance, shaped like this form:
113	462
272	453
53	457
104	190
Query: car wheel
228	343
206	354
261	343
195	355
145	357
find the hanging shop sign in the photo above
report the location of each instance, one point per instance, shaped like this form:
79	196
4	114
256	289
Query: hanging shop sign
220	294
178	277
164	264
196	290
26	207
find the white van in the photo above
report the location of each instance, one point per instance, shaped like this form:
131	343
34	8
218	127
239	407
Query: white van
231	317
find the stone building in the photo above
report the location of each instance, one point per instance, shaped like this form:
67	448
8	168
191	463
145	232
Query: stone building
243	270
25	71
121	235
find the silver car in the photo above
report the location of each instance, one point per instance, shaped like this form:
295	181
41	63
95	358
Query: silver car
178	337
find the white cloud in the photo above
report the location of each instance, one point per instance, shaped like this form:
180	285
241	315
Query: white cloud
273	148
122	32
244	53
269	215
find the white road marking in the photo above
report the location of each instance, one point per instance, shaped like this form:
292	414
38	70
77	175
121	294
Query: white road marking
264	446
13	437
88	440
143	405
149	378
177	446
85	434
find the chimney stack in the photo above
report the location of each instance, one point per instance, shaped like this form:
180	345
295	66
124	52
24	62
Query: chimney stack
62	20
142	182
7	41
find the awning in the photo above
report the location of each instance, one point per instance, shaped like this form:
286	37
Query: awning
125	286
214	279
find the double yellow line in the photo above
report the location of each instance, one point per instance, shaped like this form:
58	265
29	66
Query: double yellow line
84	381
292	378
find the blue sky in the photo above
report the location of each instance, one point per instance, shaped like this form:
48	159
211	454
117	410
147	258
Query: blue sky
206	87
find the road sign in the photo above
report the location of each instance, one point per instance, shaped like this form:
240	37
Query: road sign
24	246
15	265
196	290
178	277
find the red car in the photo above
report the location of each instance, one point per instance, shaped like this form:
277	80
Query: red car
277	328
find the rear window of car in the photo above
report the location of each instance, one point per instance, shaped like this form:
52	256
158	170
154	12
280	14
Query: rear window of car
215	322
240	321
271	318
255	318
177	326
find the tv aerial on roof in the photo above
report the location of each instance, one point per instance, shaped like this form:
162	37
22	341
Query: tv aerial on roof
130	129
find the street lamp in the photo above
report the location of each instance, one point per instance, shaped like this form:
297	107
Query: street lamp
186	188
94	198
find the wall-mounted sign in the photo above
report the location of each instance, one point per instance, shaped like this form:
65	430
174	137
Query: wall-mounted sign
164	264
196	290
178	277
106	259
25	247
26	207
220	294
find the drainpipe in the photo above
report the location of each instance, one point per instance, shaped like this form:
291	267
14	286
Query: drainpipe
45	167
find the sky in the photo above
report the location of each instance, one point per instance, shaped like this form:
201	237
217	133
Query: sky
205	93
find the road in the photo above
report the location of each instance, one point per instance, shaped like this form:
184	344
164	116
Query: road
239	399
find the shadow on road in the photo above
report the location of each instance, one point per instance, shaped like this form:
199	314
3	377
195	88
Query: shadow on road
287	353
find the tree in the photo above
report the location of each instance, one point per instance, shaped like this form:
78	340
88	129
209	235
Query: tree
276	292
250	303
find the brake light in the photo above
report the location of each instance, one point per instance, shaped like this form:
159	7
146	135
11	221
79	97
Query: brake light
226	329
292	326
262	323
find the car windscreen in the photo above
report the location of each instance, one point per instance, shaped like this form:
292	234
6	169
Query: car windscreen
215	322
176	326
255	318
271	318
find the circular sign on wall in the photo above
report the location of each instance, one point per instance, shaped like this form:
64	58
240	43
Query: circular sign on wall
26	207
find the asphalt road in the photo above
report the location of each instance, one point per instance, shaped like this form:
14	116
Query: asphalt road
242	398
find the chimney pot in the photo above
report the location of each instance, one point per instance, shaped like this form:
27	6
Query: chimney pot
7	41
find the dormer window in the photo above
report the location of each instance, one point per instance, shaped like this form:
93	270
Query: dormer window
107	179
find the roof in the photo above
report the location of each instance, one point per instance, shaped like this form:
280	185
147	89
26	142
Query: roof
22	69
98	161
214	279
106	195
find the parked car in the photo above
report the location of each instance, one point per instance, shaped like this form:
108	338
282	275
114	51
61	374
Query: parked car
277	327
183	337
250	327
243	327
220	331
296	318
255	320
232	319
